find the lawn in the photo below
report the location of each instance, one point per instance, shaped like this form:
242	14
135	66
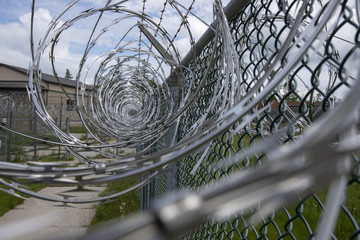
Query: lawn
298	221
74	129
8	202
120	207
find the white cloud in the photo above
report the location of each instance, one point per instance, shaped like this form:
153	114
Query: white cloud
15	37
15	44
12	37
42	18
183	46
197	27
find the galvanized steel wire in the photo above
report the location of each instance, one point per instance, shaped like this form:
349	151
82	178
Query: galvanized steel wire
224	109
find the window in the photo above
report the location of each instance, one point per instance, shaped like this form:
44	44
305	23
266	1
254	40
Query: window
70	105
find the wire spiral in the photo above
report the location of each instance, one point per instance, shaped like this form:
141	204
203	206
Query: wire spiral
143	90
138	92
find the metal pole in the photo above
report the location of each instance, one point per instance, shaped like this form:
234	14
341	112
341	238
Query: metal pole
8	137
6	150
68	133
33	123
157	45
142	191
35	134
60	120
231	10
171	183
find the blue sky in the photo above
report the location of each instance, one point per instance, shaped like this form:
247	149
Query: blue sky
15	29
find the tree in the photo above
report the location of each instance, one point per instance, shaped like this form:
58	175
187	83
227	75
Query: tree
294	96
68	75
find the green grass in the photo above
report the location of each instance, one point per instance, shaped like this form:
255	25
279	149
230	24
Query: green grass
19	140
298	221
22	141
77	130
311	211
8	202
352	203
121	207
55	157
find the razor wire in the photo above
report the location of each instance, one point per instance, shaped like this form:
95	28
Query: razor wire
125	99
229	105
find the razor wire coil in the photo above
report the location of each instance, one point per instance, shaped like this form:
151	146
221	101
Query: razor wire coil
242	88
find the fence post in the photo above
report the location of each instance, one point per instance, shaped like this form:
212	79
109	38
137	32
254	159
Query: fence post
171	175
33	117
8	137
3	144
67	133
60	125
142	190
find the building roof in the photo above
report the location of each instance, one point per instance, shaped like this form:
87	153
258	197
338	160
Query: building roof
46	77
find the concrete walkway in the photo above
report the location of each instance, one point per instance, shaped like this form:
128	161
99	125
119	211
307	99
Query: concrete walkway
39	219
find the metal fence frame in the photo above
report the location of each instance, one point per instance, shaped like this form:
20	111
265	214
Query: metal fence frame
178	175
22	117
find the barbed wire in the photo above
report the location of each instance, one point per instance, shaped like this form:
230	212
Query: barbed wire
143	91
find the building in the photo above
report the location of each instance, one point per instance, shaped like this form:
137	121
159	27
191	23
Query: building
16	108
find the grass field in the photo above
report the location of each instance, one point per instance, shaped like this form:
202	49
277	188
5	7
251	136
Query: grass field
77	130
8	202
121	207
298	221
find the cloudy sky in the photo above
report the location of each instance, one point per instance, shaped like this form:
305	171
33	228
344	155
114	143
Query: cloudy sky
15	29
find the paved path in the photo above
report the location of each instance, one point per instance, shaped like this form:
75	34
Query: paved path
39	219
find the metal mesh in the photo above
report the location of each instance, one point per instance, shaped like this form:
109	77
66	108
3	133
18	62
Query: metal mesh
296	61
315	86
17	112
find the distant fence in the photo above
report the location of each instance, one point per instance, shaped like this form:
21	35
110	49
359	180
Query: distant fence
17	112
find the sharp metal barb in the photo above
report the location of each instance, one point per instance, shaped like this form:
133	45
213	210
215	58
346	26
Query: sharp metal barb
250	118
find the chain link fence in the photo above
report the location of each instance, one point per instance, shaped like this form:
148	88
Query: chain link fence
18	113
313	87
